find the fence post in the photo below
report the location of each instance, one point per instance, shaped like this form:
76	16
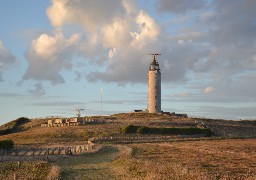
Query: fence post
19	164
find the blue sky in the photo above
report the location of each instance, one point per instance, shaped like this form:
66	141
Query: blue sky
56	55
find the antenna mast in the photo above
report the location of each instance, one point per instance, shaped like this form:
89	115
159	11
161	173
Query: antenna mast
101	101
154	56
78	112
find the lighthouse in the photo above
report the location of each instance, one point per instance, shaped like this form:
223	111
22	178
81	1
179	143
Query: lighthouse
154	86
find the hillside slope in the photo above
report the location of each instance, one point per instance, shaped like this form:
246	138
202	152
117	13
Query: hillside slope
24	131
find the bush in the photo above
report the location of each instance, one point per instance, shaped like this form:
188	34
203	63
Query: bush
165	131
5	131
14	126
129	129
6	144
142	130
22	120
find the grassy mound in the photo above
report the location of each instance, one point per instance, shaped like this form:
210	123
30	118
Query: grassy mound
13	126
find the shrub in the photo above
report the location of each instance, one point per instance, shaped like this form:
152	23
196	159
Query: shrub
5	131
6	144
22	120
14	126
165	131
142	130
129	129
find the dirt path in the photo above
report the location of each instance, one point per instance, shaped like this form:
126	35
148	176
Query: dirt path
89	166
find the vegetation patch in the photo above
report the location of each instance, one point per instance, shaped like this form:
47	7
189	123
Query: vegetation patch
138	168
6	144
165	131
14	126
5	131
193	160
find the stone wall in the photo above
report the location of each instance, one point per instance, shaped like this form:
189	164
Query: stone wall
147	139
44	153
232	129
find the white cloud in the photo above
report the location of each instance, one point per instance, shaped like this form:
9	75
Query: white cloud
112	52
89	14
128	57
117	33
58	13
148	30
47	46
6	59
179	6
48	55
113	30
209	90
210	45
117	36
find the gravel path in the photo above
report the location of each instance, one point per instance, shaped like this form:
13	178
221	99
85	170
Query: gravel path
89	166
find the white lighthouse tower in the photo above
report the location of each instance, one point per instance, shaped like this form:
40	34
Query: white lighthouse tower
154	86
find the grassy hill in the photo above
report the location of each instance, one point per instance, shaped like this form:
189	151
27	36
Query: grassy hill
25	131
200	159
14	126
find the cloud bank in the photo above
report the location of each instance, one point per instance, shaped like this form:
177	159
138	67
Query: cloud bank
6	59
211	40
49	55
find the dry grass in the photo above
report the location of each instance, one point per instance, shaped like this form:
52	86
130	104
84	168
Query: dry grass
133	168
26	170
54	173
67	134
208	159
36	135
227	159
